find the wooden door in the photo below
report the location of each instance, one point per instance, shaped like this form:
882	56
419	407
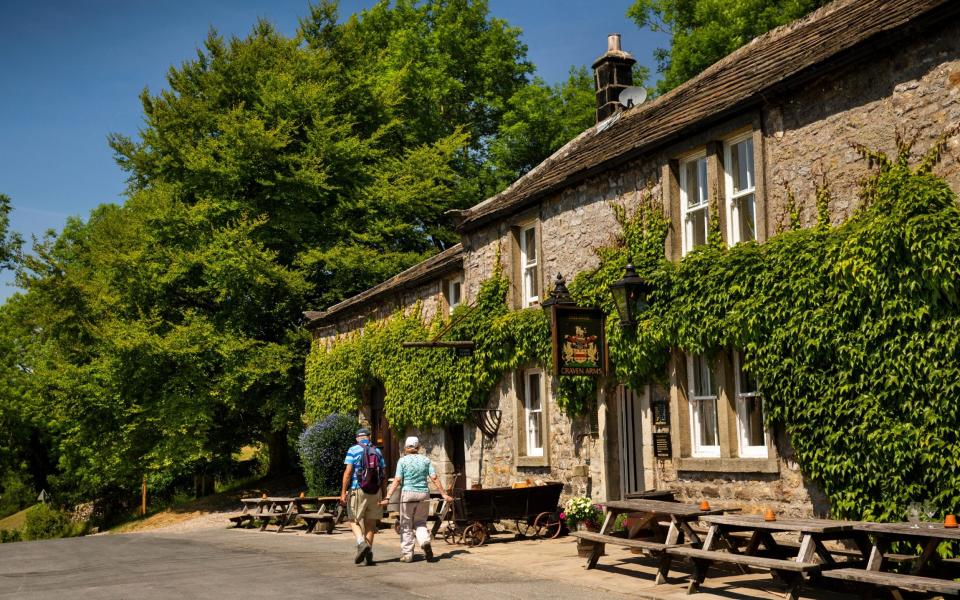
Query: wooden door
383	437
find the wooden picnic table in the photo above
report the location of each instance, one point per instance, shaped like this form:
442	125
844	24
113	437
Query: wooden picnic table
785	562
680	516
928	535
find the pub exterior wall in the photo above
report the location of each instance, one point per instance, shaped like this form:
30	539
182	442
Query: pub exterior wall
804	137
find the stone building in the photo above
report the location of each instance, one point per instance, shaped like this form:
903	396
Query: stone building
769	121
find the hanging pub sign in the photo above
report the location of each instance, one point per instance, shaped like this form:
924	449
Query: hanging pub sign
579	343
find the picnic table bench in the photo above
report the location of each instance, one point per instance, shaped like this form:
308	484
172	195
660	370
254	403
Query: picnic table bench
811	556
680	516
252	507
928	535
284	510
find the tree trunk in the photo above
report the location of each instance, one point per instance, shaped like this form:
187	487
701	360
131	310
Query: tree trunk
280	463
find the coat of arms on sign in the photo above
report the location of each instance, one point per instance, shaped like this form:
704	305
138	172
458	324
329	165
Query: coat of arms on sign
580	349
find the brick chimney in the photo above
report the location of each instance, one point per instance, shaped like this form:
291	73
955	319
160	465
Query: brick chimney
612	72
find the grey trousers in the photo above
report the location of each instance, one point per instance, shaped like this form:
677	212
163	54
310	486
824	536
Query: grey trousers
414	507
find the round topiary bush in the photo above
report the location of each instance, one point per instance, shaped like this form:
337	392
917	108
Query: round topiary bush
322	447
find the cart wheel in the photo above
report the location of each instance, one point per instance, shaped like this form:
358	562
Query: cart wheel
527	528
548	524
475	535
452	535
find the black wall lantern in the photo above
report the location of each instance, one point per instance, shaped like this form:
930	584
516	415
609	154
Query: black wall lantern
630	294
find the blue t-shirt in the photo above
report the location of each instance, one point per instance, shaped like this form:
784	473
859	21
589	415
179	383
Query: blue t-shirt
355	457
414	469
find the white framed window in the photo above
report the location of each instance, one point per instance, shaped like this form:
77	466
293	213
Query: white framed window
694	202
741	189
530	272
454	292
704	425
533	410
752	433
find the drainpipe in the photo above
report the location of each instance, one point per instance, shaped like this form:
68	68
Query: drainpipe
586	463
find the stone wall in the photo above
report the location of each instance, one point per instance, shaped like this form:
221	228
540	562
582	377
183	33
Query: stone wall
912	88
428	297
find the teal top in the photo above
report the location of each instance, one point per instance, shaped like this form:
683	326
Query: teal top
413	470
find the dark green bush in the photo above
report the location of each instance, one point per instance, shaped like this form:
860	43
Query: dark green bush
9	535
45	522
322	447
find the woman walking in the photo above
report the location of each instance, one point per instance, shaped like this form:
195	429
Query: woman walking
413	470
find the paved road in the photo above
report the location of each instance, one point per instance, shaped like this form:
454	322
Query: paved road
242	564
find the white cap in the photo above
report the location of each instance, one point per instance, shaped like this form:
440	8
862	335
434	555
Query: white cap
412	442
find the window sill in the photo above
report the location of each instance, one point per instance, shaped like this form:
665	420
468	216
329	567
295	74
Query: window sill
532	461
729	465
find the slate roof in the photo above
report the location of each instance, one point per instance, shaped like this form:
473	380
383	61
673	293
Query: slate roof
449	260
839	32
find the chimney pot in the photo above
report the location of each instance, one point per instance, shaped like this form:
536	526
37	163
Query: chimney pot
613	42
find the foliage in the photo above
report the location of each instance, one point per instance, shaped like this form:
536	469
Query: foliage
580	509
271	174
539	120
45	522
16	495
851	332
322	447
9	535
10	242
704	31
428	386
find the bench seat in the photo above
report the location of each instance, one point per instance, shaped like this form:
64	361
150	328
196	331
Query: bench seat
909	583
591	536
315	518
240	518
774	564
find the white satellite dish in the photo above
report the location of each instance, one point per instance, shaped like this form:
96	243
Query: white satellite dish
633	96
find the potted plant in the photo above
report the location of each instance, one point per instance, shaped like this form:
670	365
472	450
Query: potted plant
581	513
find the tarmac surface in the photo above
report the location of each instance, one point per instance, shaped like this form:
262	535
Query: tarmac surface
220	562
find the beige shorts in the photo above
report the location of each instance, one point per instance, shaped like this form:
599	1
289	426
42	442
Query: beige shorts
363	506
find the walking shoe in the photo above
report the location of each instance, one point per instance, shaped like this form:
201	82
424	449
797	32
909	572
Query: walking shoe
369	556
406	558
427	551
362	550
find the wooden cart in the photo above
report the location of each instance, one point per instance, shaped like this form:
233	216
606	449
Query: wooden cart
534	510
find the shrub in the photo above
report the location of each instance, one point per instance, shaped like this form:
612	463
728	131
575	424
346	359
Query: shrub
9	535
44	522
322	447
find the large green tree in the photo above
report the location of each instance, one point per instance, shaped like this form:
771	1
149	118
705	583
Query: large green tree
273	174
704	31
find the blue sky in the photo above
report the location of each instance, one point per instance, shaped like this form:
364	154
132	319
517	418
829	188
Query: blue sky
71	73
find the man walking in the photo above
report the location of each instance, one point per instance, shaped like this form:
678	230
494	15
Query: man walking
363	477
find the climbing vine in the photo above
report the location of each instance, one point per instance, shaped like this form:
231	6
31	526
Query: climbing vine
852	332
429	386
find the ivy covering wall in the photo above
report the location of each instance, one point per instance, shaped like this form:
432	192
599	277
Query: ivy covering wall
852	333
429	386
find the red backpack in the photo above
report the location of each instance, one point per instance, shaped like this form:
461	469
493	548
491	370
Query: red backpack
370	475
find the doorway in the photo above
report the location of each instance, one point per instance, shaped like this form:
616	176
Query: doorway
383	436
458	457
630	411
